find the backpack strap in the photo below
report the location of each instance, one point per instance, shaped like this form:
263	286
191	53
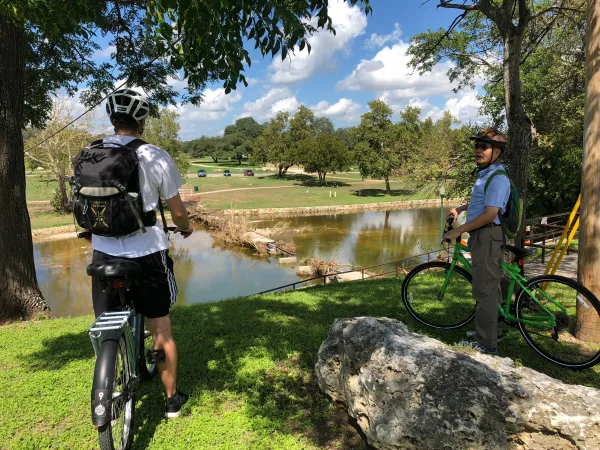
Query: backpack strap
487	183
134	145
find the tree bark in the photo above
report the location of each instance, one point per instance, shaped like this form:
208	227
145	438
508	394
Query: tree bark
388	189
589	231
64	199
20	297
519	125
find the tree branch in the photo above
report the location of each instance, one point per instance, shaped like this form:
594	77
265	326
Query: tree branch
556	8
446	4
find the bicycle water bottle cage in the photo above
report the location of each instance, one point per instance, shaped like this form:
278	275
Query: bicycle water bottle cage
155	356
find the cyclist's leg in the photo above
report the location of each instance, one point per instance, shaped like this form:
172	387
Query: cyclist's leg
157	293
486	251
160	327
104	297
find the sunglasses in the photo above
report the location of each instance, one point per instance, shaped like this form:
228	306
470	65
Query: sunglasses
482	146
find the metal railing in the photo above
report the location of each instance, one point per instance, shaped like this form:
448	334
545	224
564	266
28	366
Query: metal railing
365	275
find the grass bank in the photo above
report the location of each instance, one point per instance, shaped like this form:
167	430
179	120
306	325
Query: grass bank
247	364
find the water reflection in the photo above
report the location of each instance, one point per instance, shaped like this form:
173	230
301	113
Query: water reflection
206	272
363	239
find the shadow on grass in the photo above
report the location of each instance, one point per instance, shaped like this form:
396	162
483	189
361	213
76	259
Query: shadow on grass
264	348
60	350
307	180
382	192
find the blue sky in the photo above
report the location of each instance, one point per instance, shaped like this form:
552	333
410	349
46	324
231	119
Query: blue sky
366	60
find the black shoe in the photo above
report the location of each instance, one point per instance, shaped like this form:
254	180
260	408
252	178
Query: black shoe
174	405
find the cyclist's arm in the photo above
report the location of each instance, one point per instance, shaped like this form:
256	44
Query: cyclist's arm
488	216
179	214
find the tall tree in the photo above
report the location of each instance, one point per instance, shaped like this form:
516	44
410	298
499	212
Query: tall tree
46	45
163	131
274	144
58	152
589	233
553	93
324	154
488	33
238	139
375	151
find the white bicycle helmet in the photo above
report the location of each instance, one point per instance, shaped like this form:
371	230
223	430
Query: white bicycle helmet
129	102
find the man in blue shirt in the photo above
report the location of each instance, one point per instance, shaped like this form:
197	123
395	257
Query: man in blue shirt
485	243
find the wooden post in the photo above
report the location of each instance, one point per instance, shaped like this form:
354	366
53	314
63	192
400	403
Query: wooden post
589	233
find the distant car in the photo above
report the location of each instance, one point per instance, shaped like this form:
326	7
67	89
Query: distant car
227	173
202	173
248	173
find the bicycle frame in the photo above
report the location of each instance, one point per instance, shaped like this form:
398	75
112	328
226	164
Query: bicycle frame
516	279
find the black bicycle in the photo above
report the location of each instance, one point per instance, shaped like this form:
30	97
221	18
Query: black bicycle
119	340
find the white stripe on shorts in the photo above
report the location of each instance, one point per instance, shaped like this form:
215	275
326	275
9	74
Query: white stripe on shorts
170	277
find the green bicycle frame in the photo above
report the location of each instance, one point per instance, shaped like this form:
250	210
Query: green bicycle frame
514	272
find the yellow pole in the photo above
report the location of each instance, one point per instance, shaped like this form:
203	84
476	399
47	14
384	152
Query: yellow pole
564	234
563	251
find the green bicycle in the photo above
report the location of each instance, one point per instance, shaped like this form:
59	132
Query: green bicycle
558	317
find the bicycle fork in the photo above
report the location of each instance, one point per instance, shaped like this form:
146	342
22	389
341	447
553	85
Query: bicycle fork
105	334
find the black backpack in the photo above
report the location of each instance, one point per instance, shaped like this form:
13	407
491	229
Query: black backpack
106	190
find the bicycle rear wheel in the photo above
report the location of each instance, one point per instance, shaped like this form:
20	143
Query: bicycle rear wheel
117	433
575	340
423	297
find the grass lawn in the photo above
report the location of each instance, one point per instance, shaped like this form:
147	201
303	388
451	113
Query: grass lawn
48	219
248	365
306	192
37	188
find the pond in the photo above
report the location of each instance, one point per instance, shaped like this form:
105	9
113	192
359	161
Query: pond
207	272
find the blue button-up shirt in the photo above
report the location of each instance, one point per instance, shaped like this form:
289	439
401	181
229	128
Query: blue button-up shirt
496	195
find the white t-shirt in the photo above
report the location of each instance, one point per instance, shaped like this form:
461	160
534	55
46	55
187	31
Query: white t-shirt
157	172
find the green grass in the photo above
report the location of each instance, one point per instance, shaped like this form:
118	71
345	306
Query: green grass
247	364
37	188
305	192
48	219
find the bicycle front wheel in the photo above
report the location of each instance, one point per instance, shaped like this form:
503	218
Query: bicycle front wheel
117	433
425	298
573	341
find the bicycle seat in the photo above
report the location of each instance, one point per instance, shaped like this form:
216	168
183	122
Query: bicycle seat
114	268
520	253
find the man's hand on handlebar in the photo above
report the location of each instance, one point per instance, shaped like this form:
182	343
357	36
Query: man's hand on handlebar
453	213
451	235
185	233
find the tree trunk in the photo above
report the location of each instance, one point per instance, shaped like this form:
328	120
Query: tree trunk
324	175
388	189
519	125
280	171
64	198
589	231
20	297
215	159
285	169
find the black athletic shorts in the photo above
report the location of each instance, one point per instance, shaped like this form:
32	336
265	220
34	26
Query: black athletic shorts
154	290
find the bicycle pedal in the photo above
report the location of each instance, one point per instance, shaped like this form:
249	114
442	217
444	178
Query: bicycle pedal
155	356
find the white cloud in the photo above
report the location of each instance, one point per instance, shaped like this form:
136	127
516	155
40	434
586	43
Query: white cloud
349	22
379	40
105	52
193	119
266	107
344	109
389	72
465	108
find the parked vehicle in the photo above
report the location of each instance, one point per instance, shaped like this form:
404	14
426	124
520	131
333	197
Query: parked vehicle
227	173
202	173
248	173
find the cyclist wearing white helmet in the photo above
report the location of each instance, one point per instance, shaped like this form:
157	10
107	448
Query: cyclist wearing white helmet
158	176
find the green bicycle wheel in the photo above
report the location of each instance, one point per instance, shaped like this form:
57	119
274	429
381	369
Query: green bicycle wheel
423	297
574	341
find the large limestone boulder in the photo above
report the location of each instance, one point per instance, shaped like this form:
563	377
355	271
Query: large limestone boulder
409	391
